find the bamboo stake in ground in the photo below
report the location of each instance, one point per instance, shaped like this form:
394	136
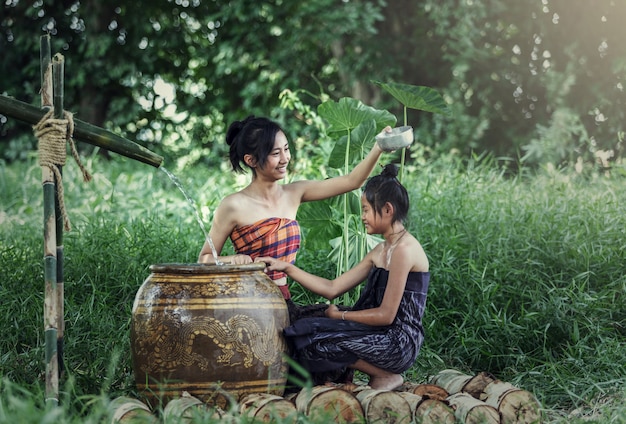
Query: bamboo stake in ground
58	64
49	235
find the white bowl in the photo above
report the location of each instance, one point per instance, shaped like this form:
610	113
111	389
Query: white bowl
397	138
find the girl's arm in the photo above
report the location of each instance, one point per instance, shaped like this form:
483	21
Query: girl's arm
329	289
402	262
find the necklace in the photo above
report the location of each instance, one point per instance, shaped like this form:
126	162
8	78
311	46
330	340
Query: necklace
398	232
387	251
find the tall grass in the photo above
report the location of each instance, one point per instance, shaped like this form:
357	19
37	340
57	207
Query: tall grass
527	279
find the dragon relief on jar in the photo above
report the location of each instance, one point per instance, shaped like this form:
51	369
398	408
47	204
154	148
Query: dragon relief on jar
174	344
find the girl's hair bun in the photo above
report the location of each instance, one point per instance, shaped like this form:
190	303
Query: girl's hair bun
390	171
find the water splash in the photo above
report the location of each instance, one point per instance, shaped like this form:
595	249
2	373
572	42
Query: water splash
192	203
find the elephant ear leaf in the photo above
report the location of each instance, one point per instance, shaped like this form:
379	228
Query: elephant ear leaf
361	140
318	222
346	114
416	97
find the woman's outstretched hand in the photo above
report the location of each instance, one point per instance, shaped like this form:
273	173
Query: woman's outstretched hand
387	129
241	260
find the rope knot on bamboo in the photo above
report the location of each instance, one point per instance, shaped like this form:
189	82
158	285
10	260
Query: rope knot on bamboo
52	135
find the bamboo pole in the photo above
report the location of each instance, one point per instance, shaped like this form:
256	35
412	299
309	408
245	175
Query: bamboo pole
84	132
49	235
58	70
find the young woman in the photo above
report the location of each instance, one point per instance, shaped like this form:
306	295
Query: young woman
261	218
382	333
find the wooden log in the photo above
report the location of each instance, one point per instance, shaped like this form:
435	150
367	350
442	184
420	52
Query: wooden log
412	399
470	410
268	408
433	411
450	380
384	406
187	409
128	410
477	384
221	399
291	397
514	404
430	391
329	404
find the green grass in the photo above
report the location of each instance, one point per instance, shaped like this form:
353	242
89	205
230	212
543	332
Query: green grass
527	283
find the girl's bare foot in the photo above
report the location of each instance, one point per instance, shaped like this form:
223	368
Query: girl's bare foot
390	382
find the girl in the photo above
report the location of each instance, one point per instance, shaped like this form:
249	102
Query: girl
382	333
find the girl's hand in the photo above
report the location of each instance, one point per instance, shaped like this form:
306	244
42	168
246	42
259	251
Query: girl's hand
333	312
272	263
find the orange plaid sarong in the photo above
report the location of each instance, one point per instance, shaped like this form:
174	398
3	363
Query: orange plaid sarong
275	237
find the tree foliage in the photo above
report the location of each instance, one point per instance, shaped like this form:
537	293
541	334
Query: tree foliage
172	74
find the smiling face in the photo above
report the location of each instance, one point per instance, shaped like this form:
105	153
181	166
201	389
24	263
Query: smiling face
278	158
369	217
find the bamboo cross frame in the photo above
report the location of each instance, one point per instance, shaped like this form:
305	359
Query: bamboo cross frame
83	131
52	73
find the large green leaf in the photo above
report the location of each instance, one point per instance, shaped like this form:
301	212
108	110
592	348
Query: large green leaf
346	114
416	97
318	223
361	140
355	254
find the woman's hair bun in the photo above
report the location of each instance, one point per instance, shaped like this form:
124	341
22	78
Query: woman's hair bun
235	128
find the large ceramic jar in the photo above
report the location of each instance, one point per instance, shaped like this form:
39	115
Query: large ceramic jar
214	331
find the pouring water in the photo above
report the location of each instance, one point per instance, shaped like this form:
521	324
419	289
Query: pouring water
192	203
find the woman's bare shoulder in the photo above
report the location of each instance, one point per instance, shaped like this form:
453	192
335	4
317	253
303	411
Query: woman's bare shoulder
231	205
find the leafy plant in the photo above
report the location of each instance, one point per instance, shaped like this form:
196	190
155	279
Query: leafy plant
352	127
415	97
